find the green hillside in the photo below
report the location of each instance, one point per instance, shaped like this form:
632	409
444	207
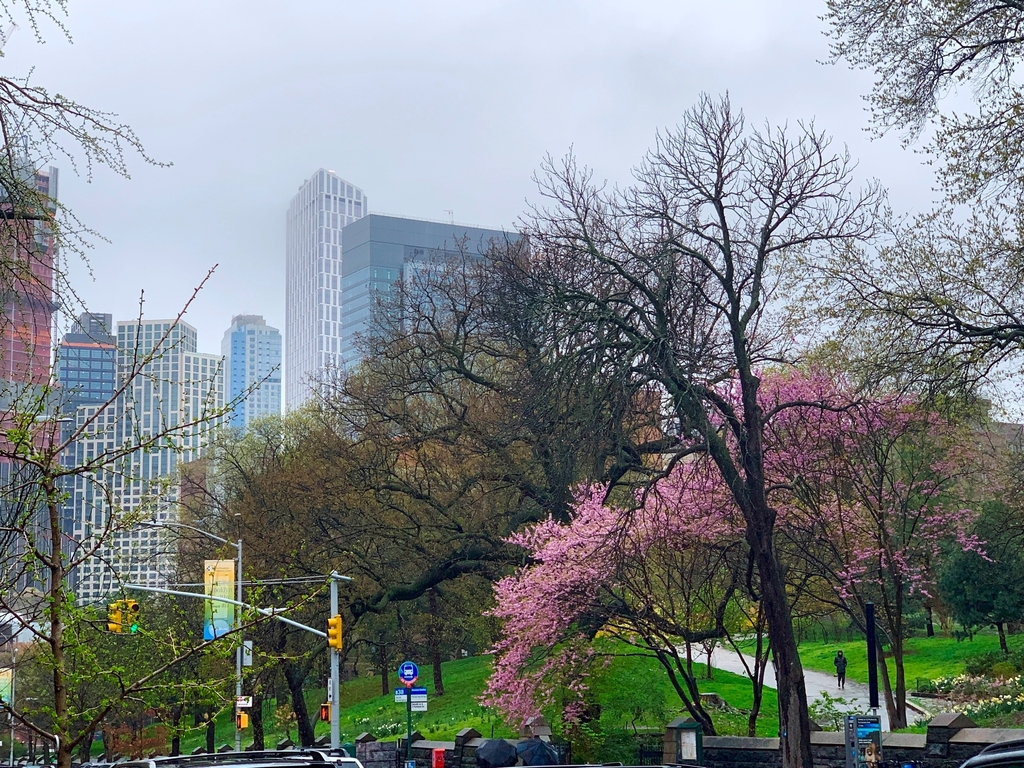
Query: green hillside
634	694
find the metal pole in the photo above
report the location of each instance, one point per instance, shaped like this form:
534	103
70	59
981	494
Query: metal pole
335	659
13	675
869	630
408	721
199	596
238	650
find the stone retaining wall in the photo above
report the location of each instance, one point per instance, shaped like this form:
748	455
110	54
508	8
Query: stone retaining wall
950	740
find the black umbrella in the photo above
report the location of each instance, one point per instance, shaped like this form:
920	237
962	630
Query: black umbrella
537	752
496	753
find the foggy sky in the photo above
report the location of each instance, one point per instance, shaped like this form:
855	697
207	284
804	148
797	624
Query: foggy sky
428	107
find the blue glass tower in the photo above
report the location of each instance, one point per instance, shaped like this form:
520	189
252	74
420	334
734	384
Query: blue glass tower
379	251
252	361
86	362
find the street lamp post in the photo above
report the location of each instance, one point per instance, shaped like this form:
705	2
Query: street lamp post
238	618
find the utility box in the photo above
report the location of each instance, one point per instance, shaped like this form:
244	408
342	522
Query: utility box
437	758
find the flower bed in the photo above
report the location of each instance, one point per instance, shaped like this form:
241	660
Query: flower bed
981	697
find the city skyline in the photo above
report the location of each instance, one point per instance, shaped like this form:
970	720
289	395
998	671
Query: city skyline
429	112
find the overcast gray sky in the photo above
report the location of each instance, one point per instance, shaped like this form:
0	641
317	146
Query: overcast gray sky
427	106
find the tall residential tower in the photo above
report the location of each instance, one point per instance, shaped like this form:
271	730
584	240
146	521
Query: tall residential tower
252	365
313	339
167	413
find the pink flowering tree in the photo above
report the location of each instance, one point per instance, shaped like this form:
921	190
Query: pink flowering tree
866	493
871	492
657	574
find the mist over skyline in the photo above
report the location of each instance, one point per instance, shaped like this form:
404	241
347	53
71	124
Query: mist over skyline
437	112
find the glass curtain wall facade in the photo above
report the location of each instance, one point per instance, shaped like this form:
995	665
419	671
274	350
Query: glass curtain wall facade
178	388
382	250
86	362
252	364
324	204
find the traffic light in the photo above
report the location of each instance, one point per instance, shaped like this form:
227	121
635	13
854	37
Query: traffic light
114	617
241	721
334	632
131	610
325	712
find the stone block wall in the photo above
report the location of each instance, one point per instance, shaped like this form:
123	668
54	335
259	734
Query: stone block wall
950	740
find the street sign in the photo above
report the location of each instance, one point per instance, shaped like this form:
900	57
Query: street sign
408	673
419	706
418	694
242	702
247	653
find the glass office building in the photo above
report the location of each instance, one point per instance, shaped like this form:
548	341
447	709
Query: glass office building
324	204
252	365
86	362
382	250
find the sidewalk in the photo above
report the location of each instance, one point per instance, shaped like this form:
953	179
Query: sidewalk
816	683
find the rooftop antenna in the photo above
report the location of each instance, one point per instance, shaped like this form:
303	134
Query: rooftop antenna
451	214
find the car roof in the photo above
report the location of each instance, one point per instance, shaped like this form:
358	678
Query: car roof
261	759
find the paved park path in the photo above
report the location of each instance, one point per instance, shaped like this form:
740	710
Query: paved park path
816	682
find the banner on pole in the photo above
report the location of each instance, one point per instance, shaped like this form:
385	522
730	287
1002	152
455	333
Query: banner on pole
6	683
219	578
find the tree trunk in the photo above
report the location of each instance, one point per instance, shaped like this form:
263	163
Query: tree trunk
296	679
929	627
176	712
85	751
382	665
887	690
435	643
1001	629
710	674
56	594
794	722
211	733
257	721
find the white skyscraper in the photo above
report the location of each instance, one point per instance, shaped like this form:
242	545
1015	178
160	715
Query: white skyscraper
252	365
323	205
179	393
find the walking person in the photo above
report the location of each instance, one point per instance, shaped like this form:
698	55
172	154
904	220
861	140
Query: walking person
840	663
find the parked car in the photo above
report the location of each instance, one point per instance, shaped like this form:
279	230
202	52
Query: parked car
281	758
1003	754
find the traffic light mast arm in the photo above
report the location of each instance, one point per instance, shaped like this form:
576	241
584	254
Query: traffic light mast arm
263	611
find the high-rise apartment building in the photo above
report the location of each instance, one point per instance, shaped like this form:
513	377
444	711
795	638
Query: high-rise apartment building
27	313
252	367
86	362
324	204
170	408
383	250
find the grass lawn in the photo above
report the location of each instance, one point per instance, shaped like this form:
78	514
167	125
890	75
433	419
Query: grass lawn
636	681
925	657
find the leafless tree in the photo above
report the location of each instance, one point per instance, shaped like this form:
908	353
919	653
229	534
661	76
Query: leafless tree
674	285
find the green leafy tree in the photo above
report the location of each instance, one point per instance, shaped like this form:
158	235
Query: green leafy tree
987	589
